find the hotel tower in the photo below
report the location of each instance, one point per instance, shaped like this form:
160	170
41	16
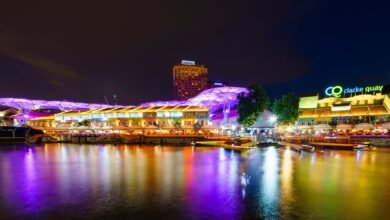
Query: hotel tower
189	79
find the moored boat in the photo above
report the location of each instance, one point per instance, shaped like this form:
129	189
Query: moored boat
298	147
20	134
342	145
232	144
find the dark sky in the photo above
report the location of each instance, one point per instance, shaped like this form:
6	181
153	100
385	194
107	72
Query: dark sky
84	50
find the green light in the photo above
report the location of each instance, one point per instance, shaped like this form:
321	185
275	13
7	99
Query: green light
377	88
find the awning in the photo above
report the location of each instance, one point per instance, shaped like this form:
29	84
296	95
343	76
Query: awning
303	127
320	127
385	125
208	127
364	126
343	126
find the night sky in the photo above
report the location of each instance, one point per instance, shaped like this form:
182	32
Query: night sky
86	50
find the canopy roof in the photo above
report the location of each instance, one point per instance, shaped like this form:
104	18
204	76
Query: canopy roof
28	104
212	99
178	108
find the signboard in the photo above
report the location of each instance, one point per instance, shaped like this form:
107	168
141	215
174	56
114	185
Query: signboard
188	62
337	90
341	108
308	102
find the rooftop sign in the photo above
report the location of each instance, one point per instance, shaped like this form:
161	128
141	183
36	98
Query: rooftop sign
187	62
337	90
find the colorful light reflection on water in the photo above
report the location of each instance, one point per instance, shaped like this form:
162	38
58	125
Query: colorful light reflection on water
117	181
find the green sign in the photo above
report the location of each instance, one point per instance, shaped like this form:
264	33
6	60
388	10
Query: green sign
337	91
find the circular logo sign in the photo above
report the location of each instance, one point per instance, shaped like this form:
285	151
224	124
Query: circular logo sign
335	91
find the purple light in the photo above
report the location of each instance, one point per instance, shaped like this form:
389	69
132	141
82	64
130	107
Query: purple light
213	99
27	104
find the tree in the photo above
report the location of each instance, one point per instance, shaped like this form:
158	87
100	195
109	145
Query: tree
2	122
251	105
85	123
177	123
286	109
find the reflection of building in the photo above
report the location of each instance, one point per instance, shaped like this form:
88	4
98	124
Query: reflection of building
343	110
189	80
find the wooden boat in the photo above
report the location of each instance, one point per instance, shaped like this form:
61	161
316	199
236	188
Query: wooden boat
298	147
361	147
350	146
236	148
209	143
230	146
20	135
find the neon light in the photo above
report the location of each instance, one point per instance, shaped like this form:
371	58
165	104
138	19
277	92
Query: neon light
334	91
377	88
213	99
187	62
353	90
327	91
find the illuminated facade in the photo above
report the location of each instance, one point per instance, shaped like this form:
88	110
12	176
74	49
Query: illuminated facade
215	107
30	104
222	103
345	107
27	109
189	80
141	117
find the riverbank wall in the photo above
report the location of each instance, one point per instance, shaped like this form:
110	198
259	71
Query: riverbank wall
136	139
380	142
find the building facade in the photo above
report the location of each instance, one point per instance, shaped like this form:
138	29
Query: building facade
189	79
133	117
342	108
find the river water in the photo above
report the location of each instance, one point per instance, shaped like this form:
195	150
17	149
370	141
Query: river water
62	181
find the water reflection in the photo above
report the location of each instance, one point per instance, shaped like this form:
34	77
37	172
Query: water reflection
286	182
118	181
270	183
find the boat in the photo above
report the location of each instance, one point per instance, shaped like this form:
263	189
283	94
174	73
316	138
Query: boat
361	147
345	145
235	144
12	134
298	147
208	143
236	148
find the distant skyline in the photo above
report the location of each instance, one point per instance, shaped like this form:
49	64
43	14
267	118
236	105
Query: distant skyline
85	51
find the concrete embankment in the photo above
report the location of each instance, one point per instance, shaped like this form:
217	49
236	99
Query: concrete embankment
380	142
136	139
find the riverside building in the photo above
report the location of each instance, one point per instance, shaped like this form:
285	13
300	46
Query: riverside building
348	109
162	118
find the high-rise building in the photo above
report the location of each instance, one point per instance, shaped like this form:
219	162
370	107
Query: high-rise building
189	79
